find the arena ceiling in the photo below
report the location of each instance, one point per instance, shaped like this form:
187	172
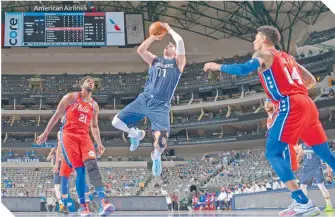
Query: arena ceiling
214	19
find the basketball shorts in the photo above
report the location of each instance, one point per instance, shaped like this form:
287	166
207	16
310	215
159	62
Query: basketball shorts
291	156
57	178
65	170
308	173
155	110
76	148
298	118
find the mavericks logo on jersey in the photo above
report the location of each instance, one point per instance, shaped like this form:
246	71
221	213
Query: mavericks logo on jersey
161	65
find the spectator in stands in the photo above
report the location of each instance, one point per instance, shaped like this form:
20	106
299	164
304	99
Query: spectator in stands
141	185
275	184
221	199
51	203
229	197
263	188
268	185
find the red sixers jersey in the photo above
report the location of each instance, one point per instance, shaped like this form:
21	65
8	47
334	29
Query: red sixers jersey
283	78
78	115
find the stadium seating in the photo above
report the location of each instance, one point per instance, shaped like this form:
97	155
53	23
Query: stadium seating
321	36
121	181
193	76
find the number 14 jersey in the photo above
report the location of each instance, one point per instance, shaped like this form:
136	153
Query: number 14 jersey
283	78
78	116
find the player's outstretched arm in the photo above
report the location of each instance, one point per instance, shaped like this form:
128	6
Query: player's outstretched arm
307	78
95	129
260	60
180	47
142	50
61	108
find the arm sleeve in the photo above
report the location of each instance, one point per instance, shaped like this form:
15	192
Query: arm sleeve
180	47
241	69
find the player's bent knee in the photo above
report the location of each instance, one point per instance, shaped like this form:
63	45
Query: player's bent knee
161	139
116	120
93	172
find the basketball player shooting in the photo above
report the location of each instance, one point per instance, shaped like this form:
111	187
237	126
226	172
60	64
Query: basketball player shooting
163	76
284	82
81	113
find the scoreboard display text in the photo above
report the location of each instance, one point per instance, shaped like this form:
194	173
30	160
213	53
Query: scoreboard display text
64	29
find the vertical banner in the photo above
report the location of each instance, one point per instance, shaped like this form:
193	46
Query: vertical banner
115	29
13	29
135	29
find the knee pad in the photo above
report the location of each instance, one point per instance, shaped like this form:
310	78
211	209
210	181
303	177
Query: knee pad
162	139
93	172
65	185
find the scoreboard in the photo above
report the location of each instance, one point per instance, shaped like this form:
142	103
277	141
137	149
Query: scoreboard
64	29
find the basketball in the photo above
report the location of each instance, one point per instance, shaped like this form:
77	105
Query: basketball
157	28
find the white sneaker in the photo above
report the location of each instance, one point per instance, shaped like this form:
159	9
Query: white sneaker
298	209
135	142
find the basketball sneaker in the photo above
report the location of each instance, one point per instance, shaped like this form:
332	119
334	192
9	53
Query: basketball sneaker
135	141
298	209
84	210
63	210
106	208
156	166
329	209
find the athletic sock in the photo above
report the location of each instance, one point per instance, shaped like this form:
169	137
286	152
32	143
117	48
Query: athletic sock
65	202
299	196
157	154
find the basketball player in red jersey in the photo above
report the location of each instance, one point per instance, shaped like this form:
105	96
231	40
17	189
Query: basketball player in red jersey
81	114
285	82
290	153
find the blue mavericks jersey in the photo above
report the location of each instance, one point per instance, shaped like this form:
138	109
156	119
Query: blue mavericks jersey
310	159
163	78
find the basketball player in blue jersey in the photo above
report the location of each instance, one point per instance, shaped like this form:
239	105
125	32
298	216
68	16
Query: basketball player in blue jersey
154	103
312	168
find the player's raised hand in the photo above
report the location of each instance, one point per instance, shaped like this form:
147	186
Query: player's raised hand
101	149
41	138
166	26
211	66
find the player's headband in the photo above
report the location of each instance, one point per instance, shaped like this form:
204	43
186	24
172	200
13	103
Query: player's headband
267	100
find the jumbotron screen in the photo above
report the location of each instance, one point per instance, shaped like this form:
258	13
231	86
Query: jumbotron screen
64	29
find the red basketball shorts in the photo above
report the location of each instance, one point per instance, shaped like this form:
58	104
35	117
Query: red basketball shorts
77	148
298	118
65	169
292	155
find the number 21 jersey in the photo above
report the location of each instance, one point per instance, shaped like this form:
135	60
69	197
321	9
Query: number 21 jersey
283	78
78	116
